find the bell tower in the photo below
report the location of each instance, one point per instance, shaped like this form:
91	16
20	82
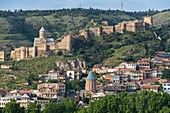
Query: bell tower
42	33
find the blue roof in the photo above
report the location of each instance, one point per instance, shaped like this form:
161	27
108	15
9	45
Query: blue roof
90	76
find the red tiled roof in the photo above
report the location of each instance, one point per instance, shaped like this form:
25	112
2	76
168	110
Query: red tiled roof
150	80
155	87
168	81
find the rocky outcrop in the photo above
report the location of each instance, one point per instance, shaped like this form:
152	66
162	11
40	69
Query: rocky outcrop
71	64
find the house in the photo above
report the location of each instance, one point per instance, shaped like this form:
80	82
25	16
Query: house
131	86
137	75
126	71
154	88
99	69
24	100
114	88
157	72
162	54
150	81
143	64
157	60
166	86
73	75
127	65
148	73
108	77
51	90
52	75
166	62
116	79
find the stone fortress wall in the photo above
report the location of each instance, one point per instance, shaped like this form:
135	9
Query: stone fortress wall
43	44
121	27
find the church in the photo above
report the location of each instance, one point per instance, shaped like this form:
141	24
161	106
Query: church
41	46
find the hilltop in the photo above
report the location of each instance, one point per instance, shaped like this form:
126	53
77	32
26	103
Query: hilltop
20	27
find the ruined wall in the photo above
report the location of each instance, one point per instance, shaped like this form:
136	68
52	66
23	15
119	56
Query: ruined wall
66	43
23	53
85	33
108	29
131	26
95	31
120	28
148	20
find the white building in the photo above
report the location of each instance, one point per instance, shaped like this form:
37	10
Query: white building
52	75
127	65
24	100
166	86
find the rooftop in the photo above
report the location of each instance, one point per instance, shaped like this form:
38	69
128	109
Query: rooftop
90	76
42	29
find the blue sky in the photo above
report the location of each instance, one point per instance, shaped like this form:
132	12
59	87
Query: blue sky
129	5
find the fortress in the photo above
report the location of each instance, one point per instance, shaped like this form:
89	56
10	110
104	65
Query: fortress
121	27
41	46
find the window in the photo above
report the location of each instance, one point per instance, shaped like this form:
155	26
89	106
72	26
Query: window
168	84
168	88
164	84
164	88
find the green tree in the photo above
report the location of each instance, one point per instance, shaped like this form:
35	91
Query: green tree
12	107
33	108
64	106
165	74
165	109
151	52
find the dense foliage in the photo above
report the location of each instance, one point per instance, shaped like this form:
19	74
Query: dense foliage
12	107
165	74
142	102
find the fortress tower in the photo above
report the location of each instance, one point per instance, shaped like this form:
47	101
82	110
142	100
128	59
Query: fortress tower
148	20
90	82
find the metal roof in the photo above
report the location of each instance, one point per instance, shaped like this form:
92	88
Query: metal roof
42	29
90	76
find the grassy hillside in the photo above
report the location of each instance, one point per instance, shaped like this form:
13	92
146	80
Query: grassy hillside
115	48
23	26
162	19
20	27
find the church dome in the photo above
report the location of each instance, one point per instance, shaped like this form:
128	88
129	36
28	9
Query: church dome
90	76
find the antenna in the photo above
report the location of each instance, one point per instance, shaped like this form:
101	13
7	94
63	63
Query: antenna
80	5
121	5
